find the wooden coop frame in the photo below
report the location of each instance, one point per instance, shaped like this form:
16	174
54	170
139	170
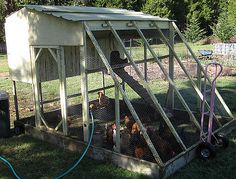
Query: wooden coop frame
89	20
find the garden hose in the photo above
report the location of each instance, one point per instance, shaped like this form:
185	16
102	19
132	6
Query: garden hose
10	166
67	171
82	156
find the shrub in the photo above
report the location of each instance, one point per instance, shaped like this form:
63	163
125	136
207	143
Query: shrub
193	32
224	29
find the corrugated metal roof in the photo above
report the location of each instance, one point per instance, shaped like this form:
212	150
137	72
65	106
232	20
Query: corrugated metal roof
77	13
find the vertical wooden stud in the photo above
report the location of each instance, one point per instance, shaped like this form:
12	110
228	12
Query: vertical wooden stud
170	95
199	84
35	83
117	113
145	61
63	93
41	96
84	89
15	100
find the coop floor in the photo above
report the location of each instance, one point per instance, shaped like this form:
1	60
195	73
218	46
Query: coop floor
105	117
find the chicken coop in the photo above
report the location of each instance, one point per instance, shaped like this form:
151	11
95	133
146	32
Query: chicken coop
114	63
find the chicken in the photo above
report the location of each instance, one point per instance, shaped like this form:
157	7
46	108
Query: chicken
139	152
129	123
124	141
111	134
115	58
162	146
94	104
135	128
102	99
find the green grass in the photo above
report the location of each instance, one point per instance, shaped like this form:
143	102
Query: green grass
46	160
221	167
162	49
36	159
3	64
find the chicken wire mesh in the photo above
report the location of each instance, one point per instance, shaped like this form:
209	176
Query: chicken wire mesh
102	102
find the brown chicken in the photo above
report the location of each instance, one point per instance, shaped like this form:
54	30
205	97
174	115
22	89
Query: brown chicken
135	128
102	99
162	146
129	123
110	132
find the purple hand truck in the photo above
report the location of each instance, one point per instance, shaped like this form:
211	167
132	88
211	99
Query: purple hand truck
209	140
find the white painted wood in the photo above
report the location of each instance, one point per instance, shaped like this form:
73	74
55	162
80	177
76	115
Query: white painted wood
84	89
63	93
35	84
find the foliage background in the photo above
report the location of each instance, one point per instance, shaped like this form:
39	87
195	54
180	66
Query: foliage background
183	11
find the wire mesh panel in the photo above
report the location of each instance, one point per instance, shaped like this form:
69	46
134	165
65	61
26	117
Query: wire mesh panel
24	99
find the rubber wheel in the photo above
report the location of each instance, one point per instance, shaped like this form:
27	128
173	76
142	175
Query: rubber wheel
222	141
206	151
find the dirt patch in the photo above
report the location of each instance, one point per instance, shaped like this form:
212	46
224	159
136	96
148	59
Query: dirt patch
4	75
154	71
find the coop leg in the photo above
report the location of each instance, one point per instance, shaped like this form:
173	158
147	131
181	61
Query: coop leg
35	80
199	84
117	112
145	61
84	90
63	93
170	95
41	97
15	100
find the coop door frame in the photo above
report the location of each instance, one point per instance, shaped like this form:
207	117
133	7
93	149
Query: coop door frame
38	102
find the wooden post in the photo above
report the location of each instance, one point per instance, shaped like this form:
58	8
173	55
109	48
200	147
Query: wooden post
63	93
35	84
103	82
199	84
84	89
41	96
145	61
117	113
15	100
170	95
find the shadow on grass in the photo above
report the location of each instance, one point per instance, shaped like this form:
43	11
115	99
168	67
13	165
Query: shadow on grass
222	166
35	159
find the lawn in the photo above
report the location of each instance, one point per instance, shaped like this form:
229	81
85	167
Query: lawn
36	159
46	161
221	167
3	64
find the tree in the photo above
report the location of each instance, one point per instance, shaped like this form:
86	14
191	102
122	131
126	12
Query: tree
207	12
158	8
224	29
193	32
124	4
2	19
232	12
171	9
